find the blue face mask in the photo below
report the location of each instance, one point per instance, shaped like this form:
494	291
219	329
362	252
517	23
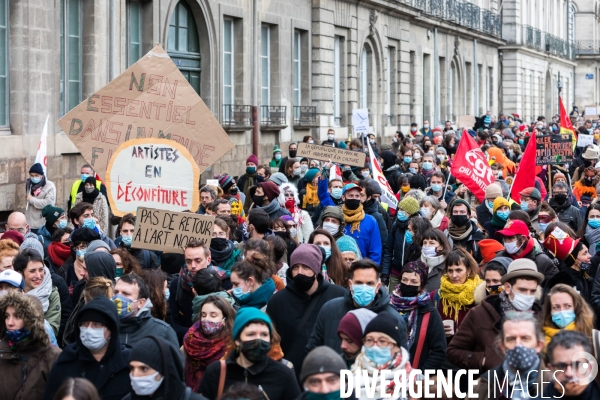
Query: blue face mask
543	226
363	295
336	193
408	237
250	170
490	204
427	166
378	355
327	250
123	305
407	160
412	170
62	224
521	141
524	206
436	187
80	253
503	215
84	177
594	223
278	157
35	180
89	223
239	294
402	216
563	318
167	293
126	240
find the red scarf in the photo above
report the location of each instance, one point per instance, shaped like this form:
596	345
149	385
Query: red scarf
200	353
59	253
526	250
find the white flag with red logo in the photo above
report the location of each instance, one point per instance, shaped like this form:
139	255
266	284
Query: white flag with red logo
471	167
42	155
335	173
387	195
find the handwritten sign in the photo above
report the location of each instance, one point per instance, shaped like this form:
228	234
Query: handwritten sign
466	121
584	140
151	99
169	231
360	120
335	154
554	149
157	173
590	110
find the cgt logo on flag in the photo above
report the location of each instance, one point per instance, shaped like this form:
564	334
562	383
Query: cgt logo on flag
471	167
479	165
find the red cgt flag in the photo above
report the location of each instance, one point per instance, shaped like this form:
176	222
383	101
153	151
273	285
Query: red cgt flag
471	167
525	176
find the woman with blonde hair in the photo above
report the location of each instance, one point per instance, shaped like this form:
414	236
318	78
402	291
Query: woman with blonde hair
564	308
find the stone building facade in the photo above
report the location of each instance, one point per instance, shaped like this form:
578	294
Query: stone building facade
587	35
305	65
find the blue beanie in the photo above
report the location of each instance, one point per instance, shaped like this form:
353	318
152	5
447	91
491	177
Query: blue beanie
347	243
310	174
247	315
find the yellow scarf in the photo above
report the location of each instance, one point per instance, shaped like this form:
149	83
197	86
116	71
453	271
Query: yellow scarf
457	297
550	332
353	217
311	196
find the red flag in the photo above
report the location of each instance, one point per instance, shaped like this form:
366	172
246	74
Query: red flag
471	167
525	176
565	121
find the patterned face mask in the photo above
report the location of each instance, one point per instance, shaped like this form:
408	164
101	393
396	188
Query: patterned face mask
210	328
521	358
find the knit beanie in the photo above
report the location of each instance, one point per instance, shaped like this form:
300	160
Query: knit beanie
347	243
342	145
419	268
334	212
493	191
556	176
146	350
442	149
36	169
252	159
457	201
226	182
309	255
410	205
387	323
14	236
276	149
499	202
247	315
489	248
51	214
271	190
310	174
91	314
350	327
279	178
321	360
84	234
32	242
95	245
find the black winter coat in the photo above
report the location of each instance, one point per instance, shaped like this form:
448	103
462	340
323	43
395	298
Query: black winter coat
277	380
66	305
574	279
110	376
287	308
483	215
396	251
433	354
325	329
568	214
180	306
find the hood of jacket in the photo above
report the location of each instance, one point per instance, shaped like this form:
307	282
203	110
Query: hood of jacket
389	159
371	207
100	263
33	320
272	207
104	306
291	286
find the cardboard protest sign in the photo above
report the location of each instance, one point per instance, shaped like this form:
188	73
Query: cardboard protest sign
335	154
554	149
387	194
584	140
169	231
466	121
153	173
360	120
151	99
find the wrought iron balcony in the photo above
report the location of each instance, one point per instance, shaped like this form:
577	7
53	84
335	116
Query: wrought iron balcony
532	37
559	47
236	117
272	117
305	116
587	47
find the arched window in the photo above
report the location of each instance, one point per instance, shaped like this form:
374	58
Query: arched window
183	44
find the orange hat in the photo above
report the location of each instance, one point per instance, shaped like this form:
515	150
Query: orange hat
489	248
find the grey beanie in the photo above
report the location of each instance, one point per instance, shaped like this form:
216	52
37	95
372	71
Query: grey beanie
278	178
32	242
96	244
320	360
364	316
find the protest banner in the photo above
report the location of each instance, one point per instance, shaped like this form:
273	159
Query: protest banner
471	167
151	99
584	140
387	194
466	121
153	172
554	149
169	231
360	120
335	154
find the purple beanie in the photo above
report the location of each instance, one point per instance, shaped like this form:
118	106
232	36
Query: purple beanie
309	255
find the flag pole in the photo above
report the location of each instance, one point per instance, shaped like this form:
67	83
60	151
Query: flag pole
446	185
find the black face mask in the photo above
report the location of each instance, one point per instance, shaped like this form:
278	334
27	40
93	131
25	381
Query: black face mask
293	153
303	283
258	200
218	244
352	204
369	202
255	350
408	290
233	191
560	198
283	235
460	220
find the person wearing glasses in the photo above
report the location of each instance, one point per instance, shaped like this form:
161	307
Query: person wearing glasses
17	222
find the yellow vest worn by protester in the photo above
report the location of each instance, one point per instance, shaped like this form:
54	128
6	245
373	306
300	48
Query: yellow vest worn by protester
75	189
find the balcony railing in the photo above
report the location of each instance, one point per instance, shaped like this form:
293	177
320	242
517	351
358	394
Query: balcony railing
532	37
272	116
305	116
559	47
587	47
236	116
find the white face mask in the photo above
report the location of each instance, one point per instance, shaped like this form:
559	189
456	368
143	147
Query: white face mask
365	174
429	251
331	227
293	232
311	141
426	126
89	190
297	171
522	302
417	156
425	211
512	247
92	338
330	137
145	385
